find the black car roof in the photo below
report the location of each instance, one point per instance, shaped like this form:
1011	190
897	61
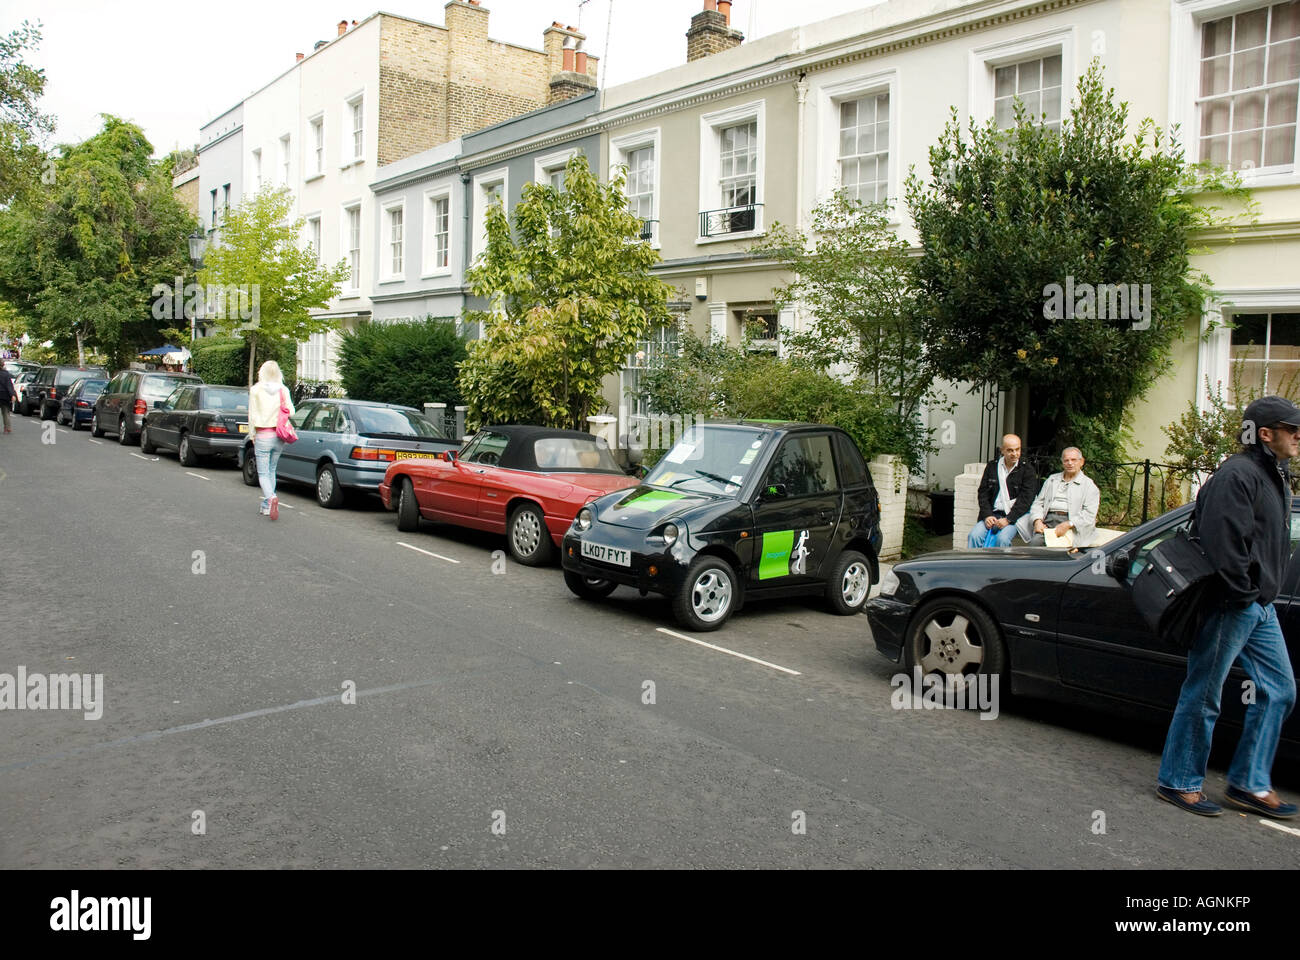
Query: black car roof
785	425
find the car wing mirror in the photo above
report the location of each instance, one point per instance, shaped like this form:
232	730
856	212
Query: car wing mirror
774	491
1117	564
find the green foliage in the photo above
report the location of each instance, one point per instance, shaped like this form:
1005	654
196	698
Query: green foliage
406	363
1004	215
225	359
915	536
852	274
80	257
572	294
260	250
717	380
22	125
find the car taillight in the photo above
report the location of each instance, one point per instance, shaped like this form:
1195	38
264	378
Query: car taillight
366	453
54	393
140	407
83	403
216	428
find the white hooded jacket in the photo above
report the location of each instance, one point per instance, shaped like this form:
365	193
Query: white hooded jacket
264	401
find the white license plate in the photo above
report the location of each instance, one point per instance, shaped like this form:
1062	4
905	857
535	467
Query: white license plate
597	551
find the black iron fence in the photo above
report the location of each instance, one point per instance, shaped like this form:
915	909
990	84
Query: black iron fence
1131	493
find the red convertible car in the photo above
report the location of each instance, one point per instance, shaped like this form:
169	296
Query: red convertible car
526	482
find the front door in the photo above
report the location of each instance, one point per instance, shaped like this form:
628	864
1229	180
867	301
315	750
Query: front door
795	514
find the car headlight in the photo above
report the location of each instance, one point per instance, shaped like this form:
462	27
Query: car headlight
583	520
889	583
670	534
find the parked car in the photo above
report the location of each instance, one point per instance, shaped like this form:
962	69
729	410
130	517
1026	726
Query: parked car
198	420
736	510
524	482
1056	624
16	367
128	397
78	400
43	394
20	388
348	444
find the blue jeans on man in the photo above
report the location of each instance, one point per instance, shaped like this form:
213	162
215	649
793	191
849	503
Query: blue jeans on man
1253	636
1004	536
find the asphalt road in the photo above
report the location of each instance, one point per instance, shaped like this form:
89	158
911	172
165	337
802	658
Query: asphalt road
499	721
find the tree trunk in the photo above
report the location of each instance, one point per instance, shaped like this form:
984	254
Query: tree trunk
81	351
252	359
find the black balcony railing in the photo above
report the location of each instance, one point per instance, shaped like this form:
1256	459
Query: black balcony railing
717	223
648	230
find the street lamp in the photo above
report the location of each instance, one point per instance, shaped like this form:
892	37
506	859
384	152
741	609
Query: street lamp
198	242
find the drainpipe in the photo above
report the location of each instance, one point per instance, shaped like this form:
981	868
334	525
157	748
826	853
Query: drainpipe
801	100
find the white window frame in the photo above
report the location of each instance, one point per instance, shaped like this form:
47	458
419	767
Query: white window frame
347	142
315	153
257	169
621	147
829	98
1214	354
482	182
983	61
345	245
285	145
711	126
547	164
1186	17
386	273
429	267
318	240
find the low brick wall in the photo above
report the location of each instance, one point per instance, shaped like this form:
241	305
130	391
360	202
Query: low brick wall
966	504
889	474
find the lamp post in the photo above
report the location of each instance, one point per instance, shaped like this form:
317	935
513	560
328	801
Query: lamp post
198	243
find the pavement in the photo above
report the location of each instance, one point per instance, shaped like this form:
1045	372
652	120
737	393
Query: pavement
497	721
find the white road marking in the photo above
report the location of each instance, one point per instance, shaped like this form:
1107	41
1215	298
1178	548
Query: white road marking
287	506
199	475
427	552
1277	826
743	656
93	440
142	457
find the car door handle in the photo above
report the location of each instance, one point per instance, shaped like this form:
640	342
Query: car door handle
826	516
480	471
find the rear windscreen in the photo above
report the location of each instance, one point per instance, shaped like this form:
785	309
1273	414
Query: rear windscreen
227	401
392	422
64	377
159	388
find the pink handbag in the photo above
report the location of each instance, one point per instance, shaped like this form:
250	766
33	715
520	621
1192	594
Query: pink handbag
283	427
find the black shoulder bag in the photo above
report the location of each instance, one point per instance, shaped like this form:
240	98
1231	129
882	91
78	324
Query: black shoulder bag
1176	589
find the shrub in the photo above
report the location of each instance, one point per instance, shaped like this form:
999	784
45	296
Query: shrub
407	363
225	359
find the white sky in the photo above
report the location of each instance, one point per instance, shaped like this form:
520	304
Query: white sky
172	65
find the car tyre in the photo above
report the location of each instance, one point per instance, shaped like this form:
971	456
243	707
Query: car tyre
589	588
72	421
45	411
329	493
123	433
709	594
249	469
186	452
955	635
146	446
527	536
408	510
58	416
849	583
95	429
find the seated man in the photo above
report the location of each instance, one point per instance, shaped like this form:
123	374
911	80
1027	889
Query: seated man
1067	504
1005	493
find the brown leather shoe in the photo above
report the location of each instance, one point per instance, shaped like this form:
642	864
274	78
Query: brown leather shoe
1197	803
1270	806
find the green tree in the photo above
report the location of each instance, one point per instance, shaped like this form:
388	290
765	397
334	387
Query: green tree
80	257
572	294
23	126
1005	215
852	274
270	282
407	363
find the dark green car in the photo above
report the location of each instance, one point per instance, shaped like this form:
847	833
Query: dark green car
736	510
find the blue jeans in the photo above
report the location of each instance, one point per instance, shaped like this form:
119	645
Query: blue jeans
976	538
1254	637
267	448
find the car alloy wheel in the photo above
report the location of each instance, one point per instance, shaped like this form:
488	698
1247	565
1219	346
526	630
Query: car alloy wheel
952	635
145	445
589	588
708	594
848	583
186	452
328	492
855	583
530	541
711	595
122	436
95	429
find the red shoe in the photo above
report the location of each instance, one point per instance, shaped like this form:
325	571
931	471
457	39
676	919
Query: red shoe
275	508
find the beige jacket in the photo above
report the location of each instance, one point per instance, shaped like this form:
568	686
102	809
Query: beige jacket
264	406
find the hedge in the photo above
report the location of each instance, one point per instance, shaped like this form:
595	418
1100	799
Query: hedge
225	359
408	363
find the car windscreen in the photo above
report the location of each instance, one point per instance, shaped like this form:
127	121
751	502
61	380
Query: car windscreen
93	388
714	460
574	453
64	377
159	388
391	422
234	400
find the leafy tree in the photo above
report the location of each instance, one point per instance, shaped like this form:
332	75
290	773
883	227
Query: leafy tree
407	363
1005	215
22	125
80	257
852	273
270	282
572	293
225	359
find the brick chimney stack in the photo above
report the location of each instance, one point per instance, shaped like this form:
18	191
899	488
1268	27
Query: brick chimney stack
573	71
711	31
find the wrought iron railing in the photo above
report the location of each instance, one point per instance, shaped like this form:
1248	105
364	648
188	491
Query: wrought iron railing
649	228
717	223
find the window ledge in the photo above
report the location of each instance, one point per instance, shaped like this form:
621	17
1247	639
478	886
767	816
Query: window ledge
350	295
314	177
1280	178
384	280
723	238
351	163
440	272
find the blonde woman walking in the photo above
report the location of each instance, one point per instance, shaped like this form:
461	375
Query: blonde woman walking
265	398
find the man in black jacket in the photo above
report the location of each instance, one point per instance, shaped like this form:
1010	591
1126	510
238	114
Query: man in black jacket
1006	492
7	395
1243	519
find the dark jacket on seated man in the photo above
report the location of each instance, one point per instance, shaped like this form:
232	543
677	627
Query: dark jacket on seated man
1022	487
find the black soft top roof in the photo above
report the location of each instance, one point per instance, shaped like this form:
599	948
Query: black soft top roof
520	453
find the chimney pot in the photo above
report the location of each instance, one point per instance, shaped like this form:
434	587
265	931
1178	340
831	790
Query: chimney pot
724	7
557	24
570	28
710	4
580	61
298	57
343	27
567	58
